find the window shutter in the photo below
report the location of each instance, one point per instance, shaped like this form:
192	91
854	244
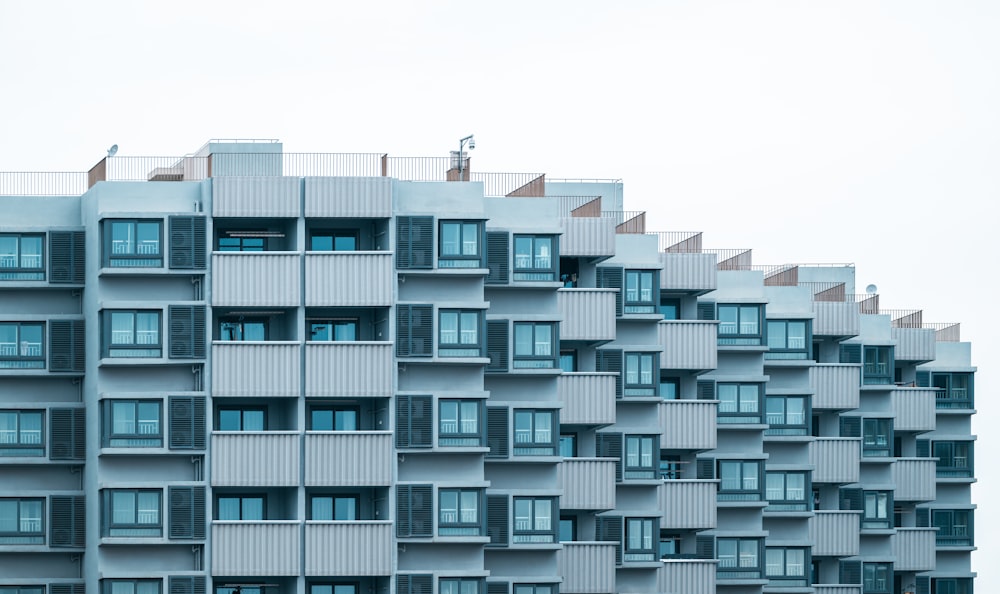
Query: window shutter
610	361
497	587
67	261
67	346
67	434
923	517
850	572
852	499
414	510
850	426
414	330
609	529
923	379
498	520
706	310
68	588
414	242
923	584
612	277
414	583
850	353
186	584
706	389
923	448
498	431
67	521
497	345
498	257
609	445
187	512
187	423
187	331
706	468
704	547
187	242
414	421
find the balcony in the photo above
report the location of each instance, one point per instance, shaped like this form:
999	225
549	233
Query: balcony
255	369
255	459
355	279
259	548
915	409
914	344
688	424
587	237
686	576
587	483
688	344
588	314
348	197
687	505
689	272
350	369
914	549
361	548
587	398
835	589
835	387
836	459
835	533
349	458
251	196
252	279
915	479
834	318
587	567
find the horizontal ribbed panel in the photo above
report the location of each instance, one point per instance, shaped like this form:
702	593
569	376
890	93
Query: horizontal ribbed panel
587	398
686	576
255	369
915	478
265	548
349	369
255	459
349	459
586	236
914	549
588	314
915	409
835	386
587	567
587	483
835	589
687	504
256	279
360	279
835	533
914	344
349	548
836	459
688	272
688	424
688	344
268	196
359	197
836	319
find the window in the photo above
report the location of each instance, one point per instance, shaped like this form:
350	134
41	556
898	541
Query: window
345	329
458	333
877	510
876	578
877	438
242	419
131	586
639	544
534	433
132	334
21	521
535	345
245	589
739	325
787	415
670	466
954	527
22	589
878	365
536	588
670	309
639	462
333	418
533	520
133	244
459	248
330	589
132	424
132	512
670	388
567	529
954	389
21	345
641	291
242	329
458	512
334	507
21	257
786	566
338	240
459	586
567	361
739	558
786	491
739	403
535	257
240	507
241	244
740	480
459	423
670	545
567	445
639	374
21	433
954	459
788	340
951	586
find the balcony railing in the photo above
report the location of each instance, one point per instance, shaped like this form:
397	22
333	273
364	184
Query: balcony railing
914	549
270	279
687	576
688	344
348	458
835	533
255	459
349	279
688	424
256	548
915	479
587	398
687	504
362	548
349	369
587	483
836	459
588	314
256	368
587	567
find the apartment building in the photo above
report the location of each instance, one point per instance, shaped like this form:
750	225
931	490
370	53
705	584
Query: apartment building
257	372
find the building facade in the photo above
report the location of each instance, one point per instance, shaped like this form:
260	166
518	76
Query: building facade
272	373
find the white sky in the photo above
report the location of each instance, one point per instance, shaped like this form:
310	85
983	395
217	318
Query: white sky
834	131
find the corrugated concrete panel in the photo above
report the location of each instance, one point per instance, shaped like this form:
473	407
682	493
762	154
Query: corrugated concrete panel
349	369
588	314
586	236
835	589
260	548
255	369
349	548
688	272
835	386
587	483
587	567
835	533
688	344
915	409
349	459
255	459
836	459
914	344
686	576
836	319
688	424
256	279
687	504
347	197
915	479
914	549
358	279
266	197
587	398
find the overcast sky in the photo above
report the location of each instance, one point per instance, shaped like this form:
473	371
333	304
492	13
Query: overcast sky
839	131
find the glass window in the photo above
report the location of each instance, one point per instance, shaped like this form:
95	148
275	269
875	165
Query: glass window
132	586
21	257
639	374
536	588
342	329
739	403
954	458
639	462
639	543
459	586
954	389
533	520
740	325
21	345
877	510
459	423
241	244
670	545
240	507
242	419
670	308
132	424
739	558
534	432
876	578
338	240
22	589
334	507
21	433
132	334
877	438
535	257
786	491
786	566
239	329
22	521
878	365
132	512
670	466
670	388
331	589
787	415
567	529
567	445
567	360
740	480
641	291
133	244
788	340
458	512
535	345
951	586
954	527
458	333
460	241
333	418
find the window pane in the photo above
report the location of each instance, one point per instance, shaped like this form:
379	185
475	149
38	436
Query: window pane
543	340
122	327
253	420
749	323
230	420
322	508
345	508
346	420
321	243
543	252
252	508
470	417
450	239
123	507
522	339
470	328
322	420
449	327
470	239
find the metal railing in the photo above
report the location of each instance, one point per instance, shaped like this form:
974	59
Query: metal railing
43	183
627	221
905	318
579	206
678	242
827	291
528	185
946	331
732	259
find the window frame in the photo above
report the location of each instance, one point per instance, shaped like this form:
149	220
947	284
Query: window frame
635	449
951	585
535	270
333	325
460	437
783	578
780	330
333	235
671	306
240	322
786	501
243	499
131	258
568	440
540	588
242	409
744	332
535	444
36	532
18	271
877	511
134	349
334	508
460	526
747	410
950	396
568	359
535	531
741	566
18	446
22	354
460	348
633	299
885	587
947	535
461	258
633	383
109	434
334	409
778	422
642	548
134	529
953	470
536	358
877	365
567	523
108	585
460	583
670	466
876	437
749	487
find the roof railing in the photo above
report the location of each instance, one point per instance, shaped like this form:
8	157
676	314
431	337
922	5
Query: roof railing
678	242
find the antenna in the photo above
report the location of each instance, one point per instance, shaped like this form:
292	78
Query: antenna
113	150
871	289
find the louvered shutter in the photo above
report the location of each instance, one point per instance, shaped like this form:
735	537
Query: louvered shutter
850	572
610	361
923	517
67	521
498	345
414	421
923	448
706	389
79	588
852	499
850	353
704	547
187	422
498	431
187	512
187	331
67	434
923	379
706	310
67	346
609	529
415	510
414	242
498	520
609	445
186	584
706	468
498	257
850	426
923	584
67	260
187	242
612	277
414	583
497	587
414	330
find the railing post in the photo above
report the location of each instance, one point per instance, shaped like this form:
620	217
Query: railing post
385	165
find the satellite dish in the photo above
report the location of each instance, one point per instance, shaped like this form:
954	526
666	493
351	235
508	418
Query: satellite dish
113	150
871	289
